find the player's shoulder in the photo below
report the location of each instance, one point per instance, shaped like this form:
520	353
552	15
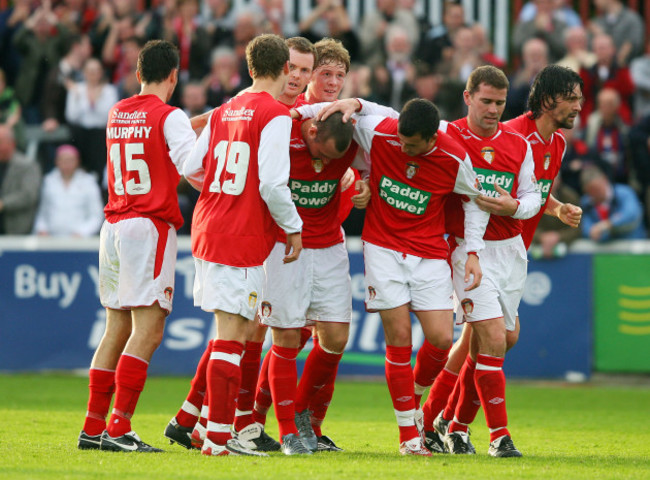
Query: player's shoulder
522	124
512	135
447	145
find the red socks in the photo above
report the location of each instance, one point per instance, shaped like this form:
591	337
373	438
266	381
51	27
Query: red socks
399	378
491	386
320	369
191	409
429	361
130	377
101	384
223	379
438	396
250	367
283	377
263	398
468	401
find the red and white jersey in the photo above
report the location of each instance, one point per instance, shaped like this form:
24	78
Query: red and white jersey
241	165
548	159
147	142
406	209
504	159
315	191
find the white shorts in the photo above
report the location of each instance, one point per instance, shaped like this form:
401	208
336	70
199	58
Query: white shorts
137	262
394	279
314	288
229	289
504	265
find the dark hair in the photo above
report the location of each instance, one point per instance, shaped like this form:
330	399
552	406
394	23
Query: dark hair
489	75
302	45
157	60
333	127
330	51
419	116
266	56
552	84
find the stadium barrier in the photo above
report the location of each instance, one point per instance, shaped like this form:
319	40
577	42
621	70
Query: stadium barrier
589	310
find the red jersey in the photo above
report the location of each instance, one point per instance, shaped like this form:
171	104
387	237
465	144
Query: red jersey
548	159
315	191
406	209
244	152
142	178
497	160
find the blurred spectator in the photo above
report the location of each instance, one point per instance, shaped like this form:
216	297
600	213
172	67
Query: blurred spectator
552	238
218	18
248	25
20	183
534	58
578	54
11	20
563	10
10	111
640	73
119	19
358	84
374	27
77	15
40	42
484	47
610	212
606	73
86	111
69	69
275	17
224	80
393	81
576	157
126	80
544	26
465	58
624	25
121	42
194	99
71	201
330	19
436	43
606	134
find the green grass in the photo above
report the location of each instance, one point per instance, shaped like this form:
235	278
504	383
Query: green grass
565	432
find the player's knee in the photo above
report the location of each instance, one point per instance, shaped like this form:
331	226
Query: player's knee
442	341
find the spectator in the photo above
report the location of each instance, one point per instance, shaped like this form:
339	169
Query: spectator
578	54
194	99
330	19
374	27
606	73
248	25
218	18
20	182
358	84
563	10
606	135
640	73
86	111
436	44
10	111
71	201
484	47
11	20
118	18
224	80
276	19
534	59
465	58
544	26
624	25
576	157
610	212
640	153
127	81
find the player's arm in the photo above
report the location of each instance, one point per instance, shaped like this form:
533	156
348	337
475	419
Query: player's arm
568	213
274	165
180	138
193	169
356	106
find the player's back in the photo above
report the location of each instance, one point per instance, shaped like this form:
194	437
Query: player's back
232	224
142	179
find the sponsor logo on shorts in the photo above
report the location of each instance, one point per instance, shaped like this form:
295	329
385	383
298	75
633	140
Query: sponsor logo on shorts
266	309
488	154
252	299
371	293
169	293
468	305
544	187
490	178
547	160
315	194
403	197
412	168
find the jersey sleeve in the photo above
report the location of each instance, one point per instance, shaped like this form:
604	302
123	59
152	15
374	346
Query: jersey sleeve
179	136
364	130
273	159
310	110
193	168
476	220
528	194
371	108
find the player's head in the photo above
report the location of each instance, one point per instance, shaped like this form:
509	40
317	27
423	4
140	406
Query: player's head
267	56
485	96
329	138
302	60
331	69
556	92
157	60
418	126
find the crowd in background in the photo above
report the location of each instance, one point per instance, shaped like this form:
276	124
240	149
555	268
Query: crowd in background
66	62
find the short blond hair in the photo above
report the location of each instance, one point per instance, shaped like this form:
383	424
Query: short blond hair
331	51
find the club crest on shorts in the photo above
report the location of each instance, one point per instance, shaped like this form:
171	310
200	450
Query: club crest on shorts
468	305
547	160
317	164
266	309
169	293
488	154
411	169
371	293
252	299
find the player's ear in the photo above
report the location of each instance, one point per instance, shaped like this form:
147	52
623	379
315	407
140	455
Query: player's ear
312	131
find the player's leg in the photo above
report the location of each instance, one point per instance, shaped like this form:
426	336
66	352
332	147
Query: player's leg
250	367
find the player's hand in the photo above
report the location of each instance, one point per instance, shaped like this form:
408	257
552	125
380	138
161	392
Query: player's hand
599	229
200	121
347	179
294	114
503	205
570	214
293	248
347	107
473	272
361	199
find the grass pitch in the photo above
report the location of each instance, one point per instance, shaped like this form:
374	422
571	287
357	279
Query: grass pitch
571	432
